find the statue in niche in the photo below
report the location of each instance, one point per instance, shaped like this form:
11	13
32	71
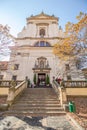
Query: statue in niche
41	64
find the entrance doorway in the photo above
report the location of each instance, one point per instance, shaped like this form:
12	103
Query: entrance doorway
41	79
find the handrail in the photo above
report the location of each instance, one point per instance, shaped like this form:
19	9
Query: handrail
58	90
73	83
15	91
55	87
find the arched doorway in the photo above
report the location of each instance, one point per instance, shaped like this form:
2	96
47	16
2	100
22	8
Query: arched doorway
41	79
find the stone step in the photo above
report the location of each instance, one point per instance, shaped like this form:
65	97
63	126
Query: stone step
36	105
39	98
30	91
37	113
37	102
37	108
35	92
39	94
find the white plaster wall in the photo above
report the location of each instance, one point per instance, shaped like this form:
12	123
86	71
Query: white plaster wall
53	30
28	31
27	63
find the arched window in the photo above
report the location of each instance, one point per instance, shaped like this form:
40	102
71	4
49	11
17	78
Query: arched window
42	44
42	32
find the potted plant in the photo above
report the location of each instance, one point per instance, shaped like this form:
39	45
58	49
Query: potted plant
34	80
47	80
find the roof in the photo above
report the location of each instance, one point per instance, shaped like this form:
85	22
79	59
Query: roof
3	65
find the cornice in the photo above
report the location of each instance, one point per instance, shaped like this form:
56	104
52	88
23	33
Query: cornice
31	48
37	38
38	18
42	24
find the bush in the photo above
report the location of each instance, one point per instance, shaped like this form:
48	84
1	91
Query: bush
34	80
47	80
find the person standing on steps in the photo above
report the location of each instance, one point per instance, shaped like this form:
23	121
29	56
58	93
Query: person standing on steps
28	81
59	80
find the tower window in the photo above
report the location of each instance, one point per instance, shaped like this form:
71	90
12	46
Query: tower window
42	32
14	77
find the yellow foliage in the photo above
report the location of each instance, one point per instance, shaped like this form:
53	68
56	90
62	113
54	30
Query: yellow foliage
65	47
75	28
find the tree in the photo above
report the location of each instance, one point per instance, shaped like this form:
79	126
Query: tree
75	41
34	79
47	80
6	40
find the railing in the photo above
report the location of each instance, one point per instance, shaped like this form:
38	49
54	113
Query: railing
58	91
55	87
15	91
69	88
78	84
7	83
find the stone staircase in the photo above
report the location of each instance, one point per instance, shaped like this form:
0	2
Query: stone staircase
36	102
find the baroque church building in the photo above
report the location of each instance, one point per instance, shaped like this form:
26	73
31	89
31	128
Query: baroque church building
33	53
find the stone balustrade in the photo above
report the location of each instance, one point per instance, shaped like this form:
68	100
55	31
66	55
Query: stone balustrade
15	91
7	83
78	84
72	91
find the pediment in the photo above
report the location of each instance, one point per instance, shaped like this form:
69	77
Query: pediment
42	16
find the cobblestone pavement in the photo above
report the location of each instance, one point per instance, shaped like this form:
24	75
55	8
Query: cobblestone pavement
37	123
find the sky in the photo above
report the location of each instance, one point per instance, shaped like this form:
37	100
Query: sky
15	12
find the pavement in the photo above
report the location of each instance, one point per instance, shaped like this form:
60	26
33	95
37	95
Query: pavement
37	123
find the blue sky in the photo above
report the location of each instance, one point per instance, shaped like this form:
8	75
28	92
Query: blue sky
15	12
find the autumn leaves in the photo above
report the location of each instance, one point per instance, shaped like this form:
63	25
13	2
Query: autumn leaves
71	44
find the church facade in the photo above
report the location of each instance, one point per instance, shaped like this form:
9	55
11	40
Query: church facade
33	52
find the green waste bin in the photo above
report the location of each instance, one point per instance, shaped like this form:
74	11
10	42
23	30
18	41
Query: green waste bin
72	107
